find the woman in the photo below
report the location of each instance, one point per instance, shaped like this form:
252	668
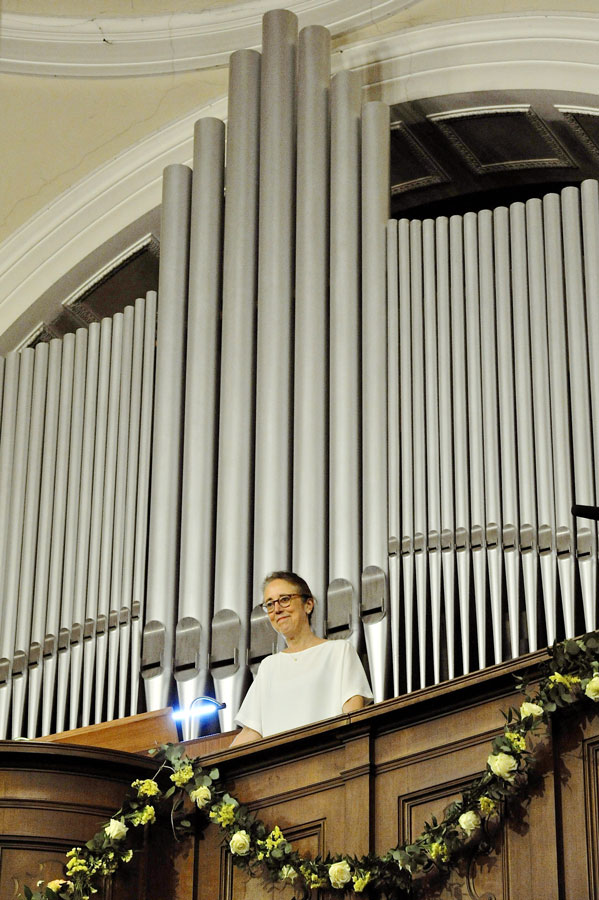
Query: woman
311	679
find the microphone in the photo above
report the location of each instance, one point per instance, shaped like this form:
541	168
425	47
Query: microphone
585	512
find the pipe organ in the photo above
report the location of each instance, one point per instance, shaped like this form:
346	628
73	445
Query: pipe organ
401	411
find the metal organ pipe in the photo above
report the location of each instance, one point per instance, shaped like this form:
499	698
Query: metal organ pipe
143	493
27	572
276	233
582	451
344	500
401	409
165	496
309	442
85	513
375	212
196	582
234	493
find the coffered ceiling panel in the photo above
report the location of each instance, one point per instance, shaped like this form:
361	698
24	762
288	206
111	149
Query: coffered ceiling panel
480	143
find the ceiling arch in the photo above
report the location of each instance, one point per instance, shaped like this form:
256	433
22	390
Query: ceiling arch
107	45
493	53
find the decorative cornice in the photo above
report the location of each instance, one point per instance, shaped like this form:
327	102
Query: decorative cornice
151	45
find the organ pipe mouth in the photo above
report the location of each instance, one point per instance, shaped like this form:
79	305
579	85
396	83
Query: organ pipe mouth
199	708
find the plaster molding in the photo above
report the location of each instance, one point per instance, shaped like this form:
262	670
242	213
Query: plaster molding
152	45
549	52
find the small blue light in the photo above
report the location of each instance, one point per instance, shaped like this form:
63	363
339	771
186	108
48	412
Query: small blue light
199	709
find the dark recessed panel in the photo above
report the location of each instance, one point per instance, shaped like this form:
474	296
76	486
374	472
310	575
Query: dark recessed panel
586	128
502	140
412	166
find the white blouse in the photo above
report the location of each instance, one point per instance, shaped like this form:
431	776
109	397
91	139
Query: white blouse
295	689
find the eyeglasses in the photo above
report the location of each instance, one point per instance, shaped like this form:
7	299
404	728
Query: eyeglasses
284	600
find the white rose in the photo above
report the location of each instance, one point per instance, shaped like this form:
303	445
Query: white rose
339	874
116	830
531	709
503	765
469	821
592	688
288	873
240	843
201	796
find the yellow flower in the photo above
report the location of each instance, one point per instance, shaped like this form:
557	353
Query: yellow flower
127	856
182	775
240	843
567	680
147	815
224	815
146	787
592	688
516	740
360	882
61	885
438	850
201	796
503	765
487	805
339	873
275	838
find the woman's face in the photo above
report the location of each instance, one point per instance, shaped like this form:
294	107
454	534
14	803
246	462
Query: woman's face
294	618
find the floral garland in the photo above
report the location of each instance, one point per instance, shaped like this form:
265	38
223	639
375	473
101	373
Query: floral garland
570	676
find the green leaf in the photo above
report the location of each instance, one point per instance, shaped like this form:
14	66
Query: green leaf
214	774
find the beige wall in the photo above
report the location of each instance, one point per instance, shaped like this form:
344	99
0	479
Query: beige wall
62	129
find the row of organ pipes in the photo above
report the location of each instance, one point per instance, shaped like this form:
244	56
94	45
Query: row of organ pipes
401	411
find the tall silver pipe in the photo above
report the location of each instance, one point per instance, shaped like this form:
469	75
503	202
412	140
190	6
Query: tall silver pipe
431	407
560	415
196	580
84	521
120	495
59	510
419	444
42	563
32	508
475	441
406	443
542	411
233	566
16	503
133	484
108	521
524	419
446	469
393	419
507	422
460	432
71	526
276	240
582	451
165	495
375	213
95	534
490	425
143	494
345	534
310	458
